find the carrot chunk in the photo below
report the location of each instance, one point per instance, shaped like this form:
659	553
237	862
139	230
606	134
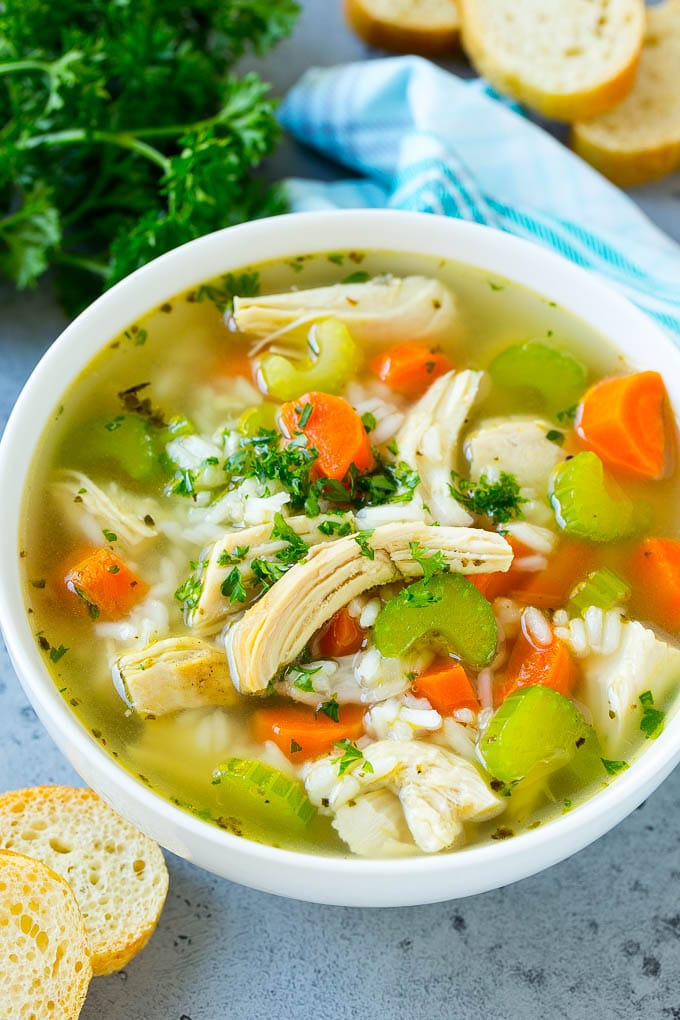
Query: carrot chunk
301	733
498	583
550	588
447	687
622	421
342	635
655	570
410	368
333	428
531	666
109	588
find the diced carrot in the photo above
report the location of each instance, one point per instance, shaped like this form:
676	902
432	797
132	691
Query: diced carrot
550	588
498	583
105	585
232	361
447	687
342	635
333	428
622	421
531	666
655	570
301	733
410	368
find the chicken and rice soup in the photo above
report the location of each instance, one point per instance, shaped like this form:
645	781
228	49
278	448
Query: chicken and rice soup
361	553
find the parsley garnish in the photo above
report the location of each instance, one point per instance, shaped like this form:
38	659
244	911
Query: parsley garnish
359	277
567	416
183	484
431	562
368	420
418	596
393	448
110	536
189	592
57	653
223	291
268	573
232	587
303	680
294	746
237	555
501	500
339	528
305	413
652	721
296	548
361	538
113	569
350	757
555	437
614	767
331	709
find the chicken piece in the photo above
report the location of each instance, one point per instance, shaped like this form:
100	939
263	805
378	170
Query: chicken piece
384	310
373	825
93	509
276	629
428	440
518	446
613	683
438	790
175	673
213	607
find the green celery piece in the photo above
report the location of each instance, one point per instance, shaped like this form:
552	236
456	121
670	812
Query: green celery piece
125	441
556	375
602	588
263	793
589	505
535	730
255	419
462	616
334	365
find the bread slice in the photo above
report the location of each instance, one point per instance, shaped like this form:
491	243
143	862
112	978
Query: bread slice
430	27
639	139
44	961
568	59
118	875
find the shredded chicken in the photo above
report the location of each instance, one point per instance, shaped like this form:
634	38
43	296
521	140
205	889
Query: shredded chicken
172	674
428	441
93	508
275	630
383	310
438	790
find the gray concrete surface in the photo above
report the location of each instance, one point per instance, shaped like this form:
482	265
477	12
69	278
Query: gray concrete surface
596	937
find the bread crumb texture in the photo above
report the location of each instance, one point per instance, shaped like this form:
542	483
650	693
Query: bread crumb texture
44	964
118	874
639	139
430	27
566	60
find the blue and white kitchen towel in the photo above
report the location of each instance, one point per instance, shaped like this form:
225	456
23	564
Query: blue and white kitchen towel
425	140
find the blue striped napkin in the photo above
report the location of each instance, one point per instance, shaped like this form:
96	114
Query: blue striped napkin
425	140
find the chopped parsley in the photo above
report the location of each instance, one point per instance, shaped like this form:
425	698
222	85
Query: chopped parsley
418	596
40	583
339	528
350	757
232	587
237	555
501	501
652	721
330	708
189	592
336	258
113	569
184	483
393	448
368	420
614	767
361	539
567	416
296	547
223	291
361	276
303	680
294	746
110	536
57	653
267	573
431	562
304	414
555	436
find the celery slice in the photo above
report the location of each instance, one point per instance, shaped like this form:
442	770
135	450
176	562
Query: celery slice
263	793
556	375
602	588
453	608
334	364
124	441
588	505
535	728
255	419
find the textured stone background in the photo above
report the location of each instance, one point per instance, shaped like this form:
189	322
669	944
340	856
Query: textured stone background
596	937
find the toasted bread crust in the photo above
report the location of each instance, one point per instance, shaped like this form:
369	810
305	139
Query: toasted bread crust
404	37
118	875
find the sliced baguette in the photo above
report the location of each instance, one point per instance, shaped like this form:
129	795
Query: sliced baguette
568	59
430	27
639	140
44	960
117	874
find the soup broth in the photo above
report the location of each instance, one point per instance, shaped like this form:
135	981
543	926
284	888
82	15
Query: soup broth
133	466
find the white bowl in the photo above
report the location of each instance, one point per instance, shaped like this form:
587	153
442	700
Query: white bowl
347	881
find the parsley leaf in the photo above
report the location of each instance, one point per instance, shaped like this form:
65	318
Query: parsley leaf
268	573
339	528
296	549
237	555
189	592
57	653
232	587
331	709
350	757
361	538
652	721
614	767
500	500
431	562
368	420
418	595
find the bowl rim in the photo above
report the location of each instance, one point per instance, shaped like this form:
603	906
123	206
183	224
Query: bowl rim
500	253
